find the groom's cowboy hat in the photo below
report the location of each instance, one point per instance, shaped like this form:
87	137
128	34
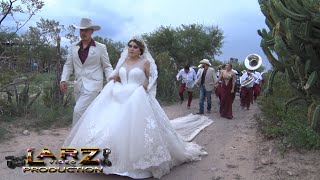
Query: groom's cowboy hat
205	61
86	23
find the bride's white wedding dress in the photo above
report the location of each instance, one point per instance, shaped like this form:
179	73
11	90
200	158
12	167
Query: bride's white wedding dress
130	122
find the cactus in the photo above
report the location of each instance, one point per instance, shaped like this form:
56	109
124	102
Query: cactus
312	80
269	90
291	101
315	122
23	99
294	35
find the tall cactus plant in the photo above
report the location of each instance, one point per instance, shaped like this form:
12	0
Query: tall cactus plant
294	35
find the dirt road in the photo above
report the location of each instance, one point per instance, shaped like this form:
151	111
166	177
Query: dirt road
236	151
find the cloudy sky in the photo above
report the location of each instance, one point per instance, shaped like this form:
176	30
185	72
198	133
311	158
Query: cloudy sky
121	19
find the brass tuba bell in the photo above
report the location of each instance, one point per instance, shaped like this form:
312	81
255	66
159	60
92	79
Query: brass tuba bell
253	61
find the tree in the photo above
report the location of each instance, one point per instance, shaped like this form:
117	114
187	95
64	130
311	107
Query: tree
70	34
162	40
197	42
43	52
50	31
114	48
186	44
15	8
173	48
11	14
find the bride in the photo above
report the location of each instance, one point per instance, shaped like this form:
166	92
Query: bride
127	119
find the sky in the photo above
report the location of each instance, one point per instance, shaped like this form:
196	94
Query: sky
122	19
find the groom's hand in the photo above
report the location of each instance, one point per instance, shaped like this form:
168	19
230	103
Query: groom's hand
63	86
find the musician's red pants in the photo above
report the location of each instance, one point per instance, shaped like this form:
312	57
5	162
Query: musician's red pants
182	88
246	96
256	91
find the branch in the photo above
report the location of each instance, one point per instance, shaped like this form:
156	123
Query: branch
8	11
18	28
18	82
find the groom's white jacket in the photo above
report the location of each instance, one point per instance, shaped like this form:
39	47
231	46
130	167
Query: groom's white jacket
88	75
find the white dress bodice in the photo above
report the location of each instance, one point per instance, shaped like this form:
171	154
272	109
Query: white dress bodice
133	74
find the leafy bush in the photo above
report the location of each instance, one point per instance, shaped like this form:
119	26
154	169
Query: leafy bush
26	110
44	117
167	86
292	125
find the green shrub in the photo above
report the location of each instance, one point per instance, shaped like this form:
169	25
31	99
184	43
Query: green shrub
292	125
167	86
45	117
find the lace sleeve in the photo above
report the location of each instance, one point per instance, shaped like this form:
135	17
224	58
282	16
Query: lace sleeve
152	87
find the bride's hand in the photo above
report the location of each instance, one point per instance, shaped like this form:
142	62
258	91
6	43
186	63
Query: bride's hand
115	78
145	87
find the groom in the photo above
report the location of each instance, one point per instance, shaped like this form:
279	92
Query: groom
88	60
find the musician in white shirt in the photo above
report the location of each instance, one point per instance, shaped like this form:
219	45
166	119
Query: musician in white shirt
187	76
247	81
257	85
245	76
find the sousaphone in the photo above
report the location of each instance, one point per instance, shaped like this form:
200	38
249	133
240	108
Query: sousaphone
253	61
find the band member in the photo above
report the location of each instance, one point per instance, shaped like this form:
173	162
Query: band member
188	76
257	85
247	82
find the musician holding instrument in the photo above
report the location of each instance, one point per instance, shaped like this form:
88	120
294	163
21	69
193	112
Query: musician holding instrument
187	76
206	80
257	85
247	80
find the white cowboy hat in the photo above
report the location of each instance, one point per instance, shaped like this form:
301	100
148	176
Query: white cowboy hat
86	23
253	61
205	61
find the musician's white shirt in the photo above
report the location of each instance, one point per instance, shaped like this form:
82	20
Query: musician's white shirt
236	72
245	76
258	77
186	77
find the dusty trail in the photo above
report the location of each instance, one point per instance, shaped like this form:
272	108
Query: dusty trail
236	151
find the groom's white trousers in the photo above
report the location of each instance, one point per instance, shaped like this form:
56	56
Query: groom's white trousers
83	99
